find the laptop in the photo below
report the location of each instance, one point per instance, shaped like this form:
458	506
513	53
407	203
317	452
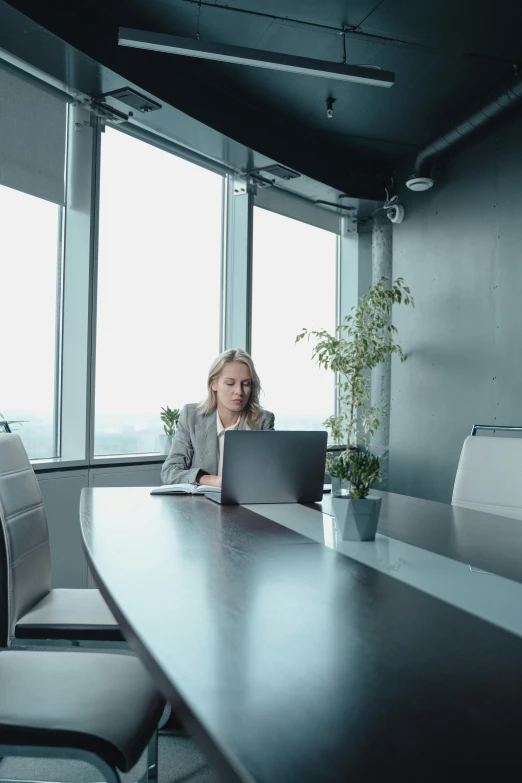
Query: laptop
272	466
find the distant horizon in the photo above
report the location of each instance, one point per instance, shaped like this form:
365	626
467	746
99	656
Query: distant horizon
125	434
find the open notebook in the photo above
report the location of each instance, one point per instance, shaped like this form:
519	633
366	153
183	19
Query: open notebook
184	489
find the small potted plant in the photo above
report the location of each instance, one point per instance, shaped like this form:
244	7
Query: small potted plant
357	514
169	417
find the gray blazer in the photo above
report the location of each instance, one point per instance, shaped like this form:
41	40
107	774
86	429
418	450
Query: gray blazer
195	445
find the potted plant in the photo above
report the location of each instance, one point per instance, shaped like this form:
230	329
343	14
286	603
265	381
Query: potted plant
356	513
360	343
365	339
169	417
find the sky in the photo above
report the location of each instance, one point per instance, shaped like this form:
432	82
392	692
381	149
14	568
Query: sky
28	277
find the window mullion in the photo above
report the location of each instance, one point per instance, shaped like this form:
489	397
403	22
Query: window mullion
77	302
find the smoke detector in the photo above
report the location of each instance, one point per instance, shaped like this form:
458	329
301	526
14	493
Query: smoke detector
419	183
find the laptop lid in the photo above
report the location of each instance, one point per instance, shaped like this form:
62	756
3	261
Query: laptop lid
273	466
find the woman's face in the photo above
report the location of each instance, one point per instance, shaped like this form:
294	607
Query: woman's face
233	387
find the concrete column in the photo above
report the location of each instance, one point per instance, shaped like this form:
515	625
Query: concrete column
381	375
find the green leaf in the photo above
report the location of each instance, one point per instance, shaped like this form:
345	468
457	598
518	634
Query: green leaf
364	339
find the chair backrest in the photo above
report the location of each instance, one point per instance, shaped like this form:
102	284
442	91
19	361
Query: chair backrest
24	536
489	476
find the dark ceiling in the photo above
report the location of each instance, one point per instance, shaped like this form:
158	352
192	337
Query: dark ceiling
447	56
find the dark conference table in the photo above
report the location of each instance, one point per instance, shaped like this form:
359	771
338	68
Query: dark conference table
294	657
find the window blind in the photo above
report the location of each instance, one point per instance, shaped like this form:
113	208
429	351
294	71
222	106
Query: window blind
32	139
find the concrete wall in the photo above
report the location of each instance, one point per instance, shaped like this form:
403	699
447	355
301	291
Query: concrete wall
365	259
460	251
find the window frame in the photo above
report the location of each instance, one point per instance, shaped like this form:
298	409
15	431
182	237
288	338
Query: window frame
297	208
77	279
172	149
58	339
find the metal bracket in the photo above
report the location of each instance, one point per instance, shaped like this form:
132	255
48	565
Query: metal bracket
263	182
102	110
240	188
350	224
243	186
81	125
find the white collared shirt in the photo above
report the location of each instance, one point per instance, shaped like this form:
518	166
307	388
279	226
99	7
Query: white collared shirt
221	439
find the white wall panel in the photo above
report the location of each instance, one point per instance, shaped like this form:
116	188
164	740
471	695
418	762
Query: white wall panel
61	496
132	476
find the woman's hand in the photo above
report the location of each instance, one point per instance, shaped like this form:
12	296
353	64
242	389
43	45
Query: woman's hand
210	481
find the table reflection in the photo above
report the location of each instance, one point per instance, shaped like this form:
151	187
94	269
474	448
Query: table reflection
486	595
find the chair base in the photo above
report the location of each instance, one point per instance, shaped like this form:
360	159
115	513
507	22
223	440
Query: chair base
110	774
17	643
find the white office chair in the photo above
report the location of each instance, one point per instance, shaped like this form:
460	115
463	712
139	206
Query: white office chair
489	474
34	610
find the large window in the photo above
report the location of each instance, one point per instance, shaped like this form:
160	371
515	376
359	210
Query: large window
294	286
159	300
30	255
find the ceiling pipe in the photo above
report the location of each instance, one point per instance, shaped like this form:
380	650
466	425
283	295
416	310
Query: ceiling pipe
510	95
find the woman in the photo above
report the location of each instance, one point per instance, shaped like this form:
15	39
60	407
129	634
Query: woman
196	456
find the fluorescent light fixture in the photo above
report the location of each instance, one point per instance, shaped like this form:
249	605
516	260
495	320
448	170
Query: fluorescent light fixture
239	55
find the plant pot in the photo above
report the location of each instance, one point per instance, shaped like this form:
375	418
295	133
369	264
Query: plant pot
336	485
166	443
356	519
333	452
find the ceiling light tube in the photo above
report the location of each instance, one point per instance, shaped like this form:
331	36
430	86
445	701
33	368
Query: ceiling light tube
240	55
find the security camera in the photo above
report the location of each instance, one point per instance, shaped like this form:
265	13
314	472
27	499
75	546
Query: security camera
395	213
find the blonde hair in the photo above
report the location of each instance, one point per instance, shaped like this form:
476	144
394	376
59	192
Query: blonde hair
251	412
